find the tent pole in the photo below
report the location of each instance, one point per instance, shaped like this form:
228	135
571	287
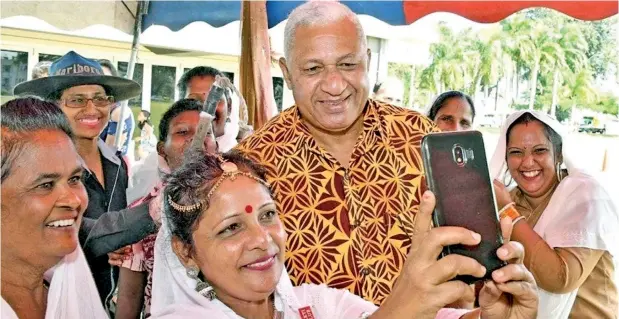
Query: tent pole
137	30
255	63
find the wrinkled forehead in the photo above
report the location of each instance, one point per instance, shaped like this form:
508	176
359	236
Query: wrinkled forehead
324	40
38	147
456	106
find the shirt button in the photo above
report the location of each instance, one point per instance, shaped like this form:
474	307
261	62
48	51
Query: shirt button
365	271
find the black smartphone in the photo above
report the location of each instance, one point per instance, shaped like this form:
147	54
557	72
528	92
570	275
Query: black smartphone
456	171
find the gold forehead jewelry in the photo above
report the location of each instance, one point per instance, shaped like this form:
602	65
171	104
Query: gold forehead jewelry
183	208
231	172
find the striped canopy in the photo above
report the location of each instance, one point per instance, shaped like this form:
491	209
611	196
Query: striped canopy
258	16
177	14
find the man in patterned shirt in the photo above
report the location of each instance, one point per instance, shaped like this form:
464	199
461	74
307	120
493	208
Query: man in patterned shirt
346	170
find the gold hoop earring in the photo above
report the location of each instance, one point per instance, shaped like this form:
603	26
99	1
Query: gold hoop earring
511	179
559	173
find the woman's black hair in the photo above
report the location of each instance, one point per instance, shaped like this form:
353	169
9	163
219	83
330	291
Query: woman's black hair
24	116
554	137
192	182
177	108
442	99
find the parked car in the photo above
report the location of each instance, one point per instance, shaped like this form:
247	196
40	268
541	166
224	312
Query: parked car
592	124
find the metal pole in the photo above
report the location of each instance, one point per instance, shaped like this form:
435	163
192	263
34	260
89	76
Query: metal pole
137	30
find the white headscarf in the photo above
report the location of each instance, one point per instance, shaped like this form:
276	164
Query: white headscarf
173	290
174	296
581	212
72	292
498	166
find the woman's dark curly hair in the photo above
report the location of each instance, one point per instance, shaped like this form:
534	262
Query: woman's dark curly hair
192	182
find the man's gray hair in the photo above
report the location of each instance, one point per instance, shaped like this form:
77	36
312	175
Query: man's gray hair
318	13
41	70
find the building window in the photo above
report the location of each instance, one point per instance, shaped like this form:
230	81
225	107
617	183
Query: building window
48	57
14	71
161	91
138	75
162	84
278	92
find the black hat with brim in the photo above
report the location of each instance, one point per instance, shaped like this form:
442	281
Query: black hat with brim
74	70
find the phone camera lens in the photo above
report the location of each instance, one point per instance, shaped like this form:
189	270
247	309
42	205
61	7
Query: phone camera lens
458	153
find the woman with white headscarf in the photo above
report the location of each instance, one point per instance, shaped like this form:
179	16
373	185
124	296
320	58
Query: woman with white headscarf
564	217
220	254
44	271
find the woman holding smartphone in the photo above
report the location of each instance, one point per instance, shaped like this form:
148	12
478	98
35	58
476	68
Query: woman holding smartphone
564	217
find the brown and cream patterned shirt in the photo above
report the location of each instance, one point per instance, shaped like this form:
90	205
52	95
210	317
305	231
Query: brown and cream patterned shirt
347	228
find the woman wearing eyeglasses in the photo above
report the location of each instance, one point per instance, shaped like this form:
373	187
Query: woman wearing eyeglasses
85	95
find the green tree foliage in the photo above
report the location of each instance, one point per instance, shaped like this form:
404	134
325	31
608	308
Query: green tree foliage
538	56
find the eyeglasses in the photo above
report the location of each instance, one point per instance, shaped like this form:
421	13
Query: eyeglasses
98	101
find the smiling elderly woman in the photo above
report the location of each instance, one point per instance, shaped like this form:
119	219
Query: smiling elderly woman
566	219
220	254
44	272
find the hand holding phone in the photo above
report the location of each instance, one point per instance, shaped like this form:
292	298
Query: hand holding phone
425	284
456	171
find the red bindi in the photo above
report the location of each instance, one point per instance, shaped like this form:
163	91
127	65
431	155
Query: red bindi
249	209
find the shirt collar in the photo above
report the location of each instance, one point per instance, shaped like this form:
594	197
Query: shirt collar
106	151
372	127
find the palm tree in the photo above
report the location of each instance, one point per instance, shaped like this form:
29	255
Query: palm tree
546	50
448	67
487	62
534	43
578	90
518	45
572	58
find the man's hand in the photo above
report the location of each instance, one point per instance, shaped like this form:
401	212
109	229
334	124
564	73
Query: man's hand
425	285
512	292
117	257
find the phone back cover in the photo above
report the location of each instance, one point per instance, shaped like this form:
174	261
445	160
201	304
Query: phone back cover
464	193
